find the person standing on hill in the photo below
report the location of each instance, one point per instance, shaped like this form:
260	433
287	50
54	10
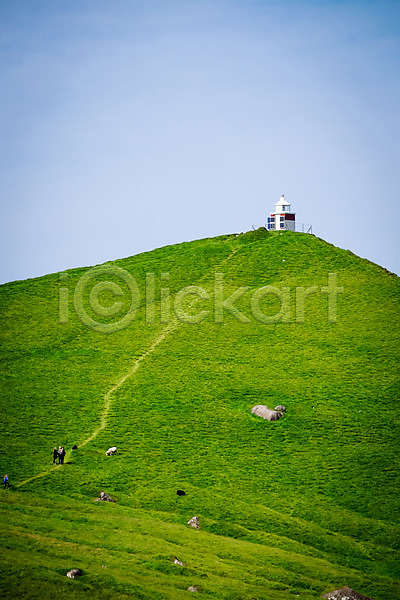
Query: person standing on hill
61	454
6	483
55	454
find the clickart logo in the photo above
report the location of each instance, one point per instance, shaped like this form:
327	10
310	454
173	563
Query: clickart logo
107	299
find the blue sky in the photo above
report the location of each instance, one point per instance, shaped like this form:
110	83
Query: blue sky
129	125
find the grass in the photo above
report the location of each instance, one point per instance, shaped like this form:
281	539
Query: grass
287	509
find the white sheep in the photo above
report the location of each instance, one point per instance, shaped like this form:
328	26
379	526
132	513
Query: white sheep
112	450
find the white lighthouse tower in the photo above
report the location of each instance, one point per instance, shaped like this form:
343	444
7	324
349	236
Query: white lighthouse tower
282	218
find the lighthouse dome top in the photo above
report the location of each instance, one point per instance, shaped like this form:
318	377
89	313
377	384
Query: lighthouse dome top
282	202
282	205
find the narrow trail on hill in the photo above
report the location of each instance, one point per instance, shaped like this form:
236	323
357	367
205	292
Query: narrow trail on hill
107	400
107	397
170	328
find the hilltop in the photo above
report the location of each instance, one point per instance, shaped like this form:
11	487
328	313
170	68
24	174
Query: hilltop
131	354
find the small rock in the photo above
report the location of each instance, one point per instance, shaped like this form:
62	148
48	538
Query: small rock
193	588
194	522
280	407
345	593
105	497
74	573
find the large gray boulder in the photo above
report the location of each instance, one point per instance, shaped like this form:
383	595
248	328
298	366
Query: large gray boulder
345	593
266	413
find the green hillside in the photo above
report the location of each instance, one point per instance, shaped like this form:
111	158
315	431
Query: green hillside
126	355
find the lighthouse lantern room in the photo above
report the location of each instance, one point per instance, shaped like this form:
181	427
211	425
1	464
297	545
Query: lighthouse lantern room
282	218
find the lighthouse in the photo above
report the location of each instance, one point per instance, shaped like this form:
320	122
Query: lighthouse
283	217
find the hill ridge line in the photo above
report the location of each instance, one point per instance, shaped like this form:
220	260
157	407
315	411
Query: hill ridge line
107	396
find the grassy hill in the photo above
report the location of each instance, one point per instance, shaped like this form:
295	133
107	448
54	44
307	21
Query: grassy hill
289	509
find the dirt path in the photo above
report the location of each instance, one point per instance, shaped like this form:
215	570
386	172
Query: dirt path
170	328
107	397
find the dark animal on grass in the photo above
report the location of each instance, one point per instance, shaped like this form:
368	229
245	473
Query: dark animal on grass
181	493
